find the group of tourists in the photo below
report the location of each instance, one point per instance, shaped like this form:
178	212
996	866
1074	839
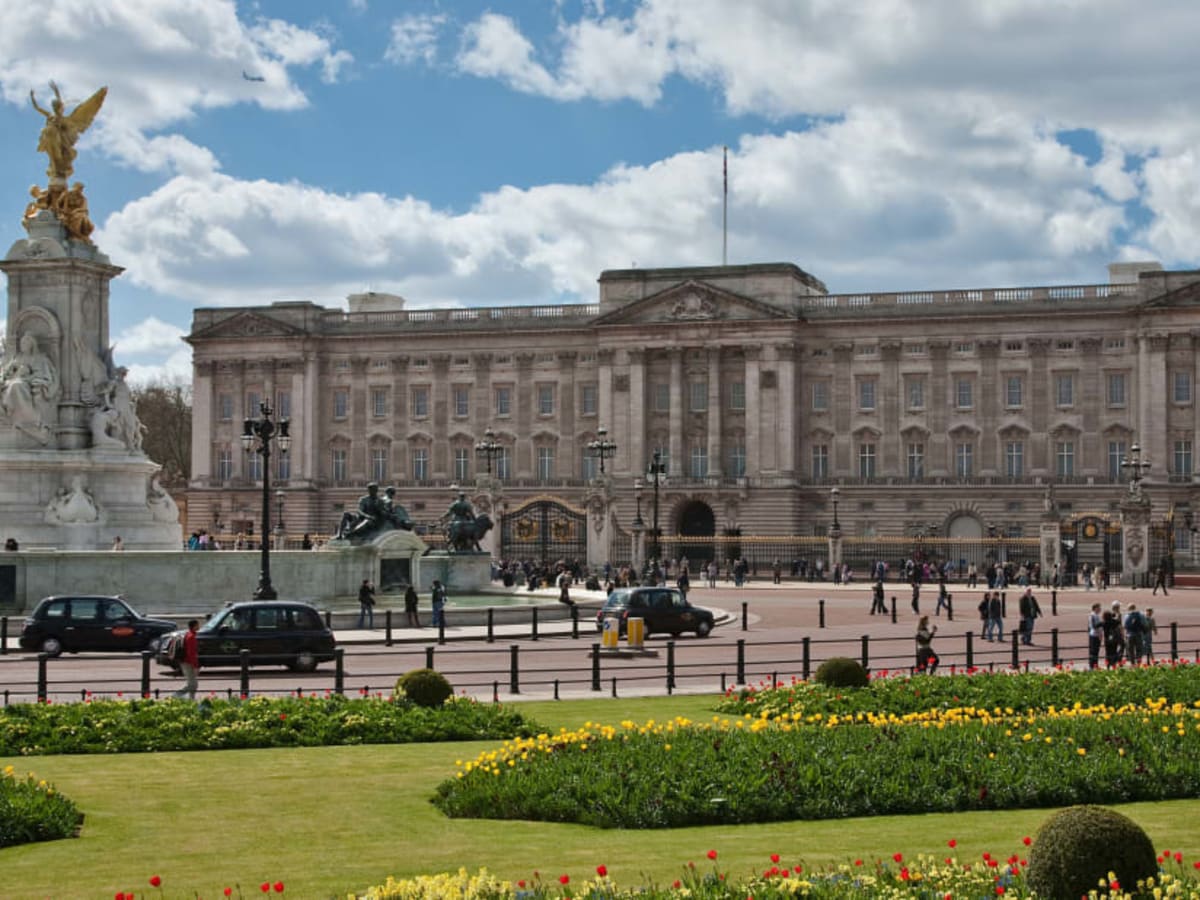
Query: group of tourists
1124	638
366	605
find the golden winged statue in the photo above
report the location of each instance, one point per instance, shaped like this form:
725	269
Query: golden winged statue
61	131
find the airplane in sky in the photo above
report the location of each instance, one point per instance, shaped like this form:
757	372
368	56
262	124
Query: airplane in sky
252	77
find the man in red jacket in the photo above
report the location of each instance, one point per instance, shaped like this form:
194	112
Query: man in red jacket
190	664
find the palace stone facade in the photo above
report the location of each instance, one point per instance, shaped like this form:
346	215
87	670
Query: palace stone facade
940	412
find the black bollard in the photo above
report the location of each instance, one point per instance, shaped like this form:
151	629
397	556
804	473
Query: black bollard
806	661
491	626
741	661
514	670
1054	603
893	609
146	657
821	613
970	649
670	667
339	671
533	624
244	683
745	616
387	628
595	667
866	651
429	657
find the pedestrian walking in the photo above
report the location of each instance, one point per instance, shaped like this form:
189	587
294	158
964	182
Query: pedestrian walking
1151	631
916	596
1030	612
1160	579
926	659
190	664
410	607
366	604
438	600
1095	632
877	604
943	601
1135	634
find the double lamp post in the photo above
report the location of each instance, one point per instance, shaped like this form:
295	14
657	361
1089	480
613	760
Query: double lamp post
257	437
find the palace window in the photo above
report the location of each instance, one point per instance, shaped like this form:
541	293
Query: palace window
916	392
916	460
504	401
1064	390
337	468
964	393
224	464
820	396
698	396
283	404
225	405
1064	459
379	464
1116	388
341	403
420	402
699	461
1014	459
420	464
737	461
820	461
866	394
866	460
254	467
660	393
1014	391
283	466
462	401
545	399
589	402
462	463
379	402
503	464
964	460
1181	385
252	410
545	463
1116	454
1182	458
737	395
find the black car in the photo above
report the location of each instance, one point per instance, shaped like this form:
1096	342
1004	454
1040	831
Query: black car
662	609
91	623
281	633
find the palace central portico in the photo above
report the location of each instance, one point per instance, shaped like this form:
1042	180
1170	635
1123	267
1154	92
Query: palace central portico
940	414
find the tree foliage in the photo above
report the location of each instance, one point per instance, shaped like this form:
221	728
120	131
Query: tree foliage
165	408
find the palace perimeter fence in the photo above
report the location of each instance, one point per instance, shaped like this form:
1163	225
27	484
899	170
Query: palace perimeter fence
576	666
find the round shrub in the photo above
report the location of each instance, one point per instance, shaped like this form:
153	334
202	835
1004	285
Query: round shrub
31	810
1076	847
424	687
842	672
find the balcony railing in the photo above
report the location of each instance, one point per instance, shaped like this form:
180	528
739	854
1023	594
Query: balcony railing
1048	294
458	318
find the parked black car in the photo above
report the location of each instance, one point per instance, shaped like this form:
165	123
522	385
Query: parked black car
277	633
91	623
662	609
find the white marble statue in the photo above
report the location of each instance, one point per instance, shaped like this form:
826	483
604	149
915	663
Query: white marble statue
103	425
162	505
29	390
74	505
128	428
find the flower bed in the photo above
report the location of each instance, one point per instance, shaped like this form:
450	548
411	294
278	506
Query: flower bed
32	810
799	764
902	693
928	876
136	726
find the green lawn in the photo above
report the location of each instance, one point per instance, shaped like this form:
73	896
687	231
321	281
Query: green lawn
335	819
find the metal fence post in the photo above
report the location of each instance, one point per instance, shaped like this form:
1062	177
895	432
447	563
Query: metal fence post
595	667
442	627
339	670
1004	604
244	659
491	625
3	635
806	649
741	661
893	609
514	669
866	651
146	657
821	612
745	616
574	623
970	649
670	667
1054	647
41	680
429	657
1016	649
1174	640
387	628
1054	602
533	623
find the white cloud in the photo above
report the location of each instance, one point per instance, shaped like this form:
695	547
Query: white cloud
163	60
414	39
151	335
878	200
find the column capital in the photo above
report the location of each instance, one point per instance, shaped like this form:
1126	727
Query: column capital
481	361
1038	346
890	350
988	347
1091	345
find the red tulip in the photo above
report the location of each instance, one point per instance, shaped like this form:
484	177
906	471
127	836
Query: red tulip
952	843
564	879
712	854
897	856
279	887
155	881
228	892
774	857
1027	841
265	887
602	871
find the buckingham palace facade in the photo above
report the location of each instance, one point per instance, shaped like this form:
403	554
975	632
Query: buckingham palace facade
951	413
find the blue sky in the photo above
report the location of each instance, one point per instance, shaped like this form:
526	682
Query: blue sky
470	153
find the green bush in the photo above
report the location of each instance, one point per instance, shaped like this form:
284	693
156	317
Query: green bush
1078	847
424	687
142	726
31	810
842	672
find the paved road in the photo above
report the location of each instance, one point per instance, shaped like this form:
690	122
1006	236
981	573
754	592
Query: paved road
779	622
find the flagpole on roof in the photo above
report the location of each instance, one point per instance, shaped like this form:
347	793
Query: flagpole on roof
725	206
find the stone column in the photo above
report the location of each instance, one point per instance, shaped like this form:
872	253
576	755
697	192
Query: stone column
570	459
636	398
842	404
786	409
937	404
400	459
753	411
888	396
524	400
675	438
202	420
1153	400
308	401
1090	401
439	416
1039	401
987	405
714	412
1135	533
1195	336
359	456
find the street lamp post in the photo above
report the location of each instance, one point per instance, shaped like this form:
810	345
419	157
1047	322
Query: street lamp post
638	525
602	448
656	470
834	494
257	436
1136	466
489	448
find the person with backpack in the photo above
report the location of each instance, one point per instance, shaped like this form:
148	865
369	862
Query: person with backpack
366	604
1135	635
1095	631
1030	611
438	599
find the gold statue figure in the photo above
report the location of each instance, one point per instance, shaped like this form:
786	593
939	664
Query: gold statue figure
57	141
60	132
